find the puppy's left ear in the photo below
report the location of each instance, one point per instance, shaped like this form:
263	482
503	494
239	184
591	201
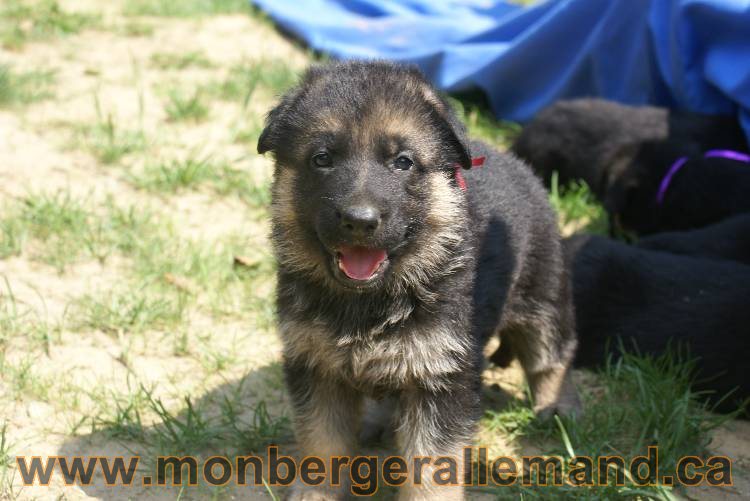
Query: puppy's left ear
458	137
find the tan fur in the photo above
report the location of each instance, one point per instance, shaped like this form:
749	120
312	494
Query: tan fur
418	436
292	250
326	428
424	356
329	424
433	255
553	390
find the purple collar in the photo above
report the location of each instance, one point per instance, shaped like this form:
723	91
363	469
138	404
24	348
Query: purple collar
680	162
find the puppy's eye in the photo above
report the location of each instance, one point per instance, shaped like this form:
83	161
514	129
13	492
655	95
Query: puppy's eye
403	163
322	159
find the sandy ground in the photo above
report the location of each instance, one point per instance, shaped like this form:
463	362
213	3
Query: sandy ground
39	153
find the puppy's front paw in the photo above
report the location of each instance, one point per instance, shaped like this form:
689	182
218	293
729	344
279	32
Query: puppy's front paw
554	393
568	405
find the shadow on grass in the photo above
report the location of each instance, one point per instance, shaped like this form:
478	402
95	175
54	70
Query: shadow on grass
237	418
633	403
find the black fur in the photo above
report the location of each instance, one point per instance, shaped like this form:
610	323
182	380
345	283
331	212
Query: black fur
702	192
589	139
727	240
461	265
652	297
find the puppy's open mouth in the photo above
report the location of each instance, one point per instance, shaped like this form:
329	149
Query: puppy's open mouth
361	263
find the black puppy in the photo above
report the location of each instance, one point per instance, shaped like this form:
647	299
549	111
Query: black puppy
394	268
582	138
660	188
727	240
653	297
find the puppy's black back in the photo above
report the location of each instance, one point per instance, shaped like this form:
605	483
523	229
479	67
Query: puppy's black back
726	240
516	230
655	298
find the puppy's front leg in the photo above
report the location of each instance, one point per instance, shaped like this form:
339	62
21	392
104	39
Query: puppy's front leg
435	426
326	415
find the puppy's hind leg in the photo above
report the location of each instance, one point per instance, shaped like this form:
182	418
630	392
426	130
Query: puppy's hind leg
545	344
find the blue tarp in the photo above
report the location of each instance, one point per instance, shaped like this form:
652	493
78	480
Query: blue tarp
687	54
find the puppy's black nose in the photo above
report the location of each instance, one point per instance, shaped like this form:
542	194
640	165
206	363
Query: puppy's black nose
360	219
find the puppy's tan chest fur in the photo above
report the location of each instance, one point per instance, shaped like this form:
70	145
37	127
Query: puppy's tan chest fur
392	359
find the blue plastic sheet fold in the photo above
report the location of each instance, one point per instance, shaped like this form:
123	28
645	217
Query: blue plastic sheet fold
685	54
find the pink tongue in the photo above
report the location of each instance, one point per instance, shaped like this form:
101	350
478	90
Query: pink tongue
360	263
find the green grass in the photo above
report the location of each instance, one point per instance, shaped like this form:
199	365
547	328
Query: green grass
22	380
207	272
184	8
481	123
244	79
248	131
215	360
22	21
192	173
182	106
180	60
169	275
59	229
198	263
12	234
512	422
18	88
638	401
19	321
107	140
195	428
173	176
577	207
11	324
126	310
135	29
58	223
235	181
7	461
484	126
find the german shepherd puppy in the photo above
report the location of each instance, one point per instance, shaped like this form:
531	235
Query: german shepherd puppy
393	270
704	190
583	138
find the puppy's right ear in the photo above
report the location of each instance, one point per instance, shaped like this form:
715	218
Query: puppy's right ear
279	117
269	138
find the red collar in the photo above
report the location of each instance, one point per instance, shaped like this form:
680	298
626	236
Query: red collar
475	162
